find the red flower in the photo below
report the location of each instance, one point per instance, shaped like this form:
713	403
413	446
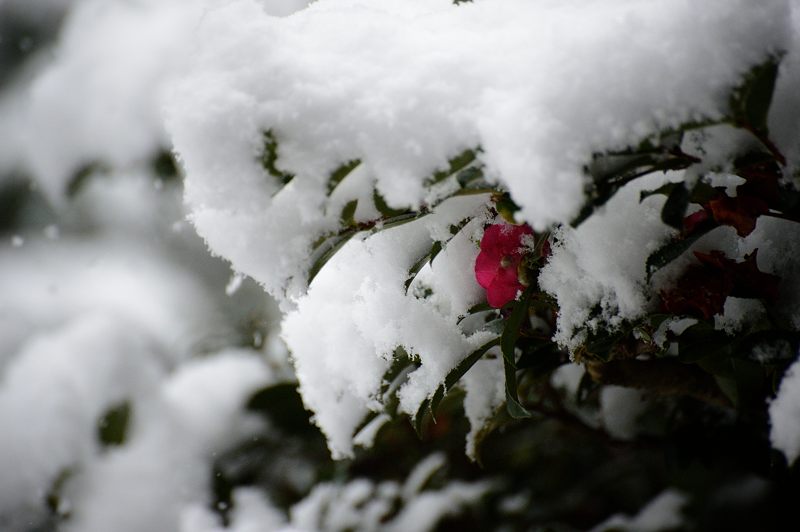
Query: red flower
496	268
703	288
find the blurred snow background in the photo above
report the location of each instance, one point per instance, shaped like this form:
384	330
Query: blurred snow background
129	356
127	352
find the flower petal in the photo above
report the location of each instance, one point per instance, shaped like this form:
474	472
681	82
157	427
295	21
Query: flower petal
504	287
486	267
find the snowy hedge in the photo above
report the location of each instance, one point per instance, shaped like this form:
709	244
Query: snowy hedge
354	158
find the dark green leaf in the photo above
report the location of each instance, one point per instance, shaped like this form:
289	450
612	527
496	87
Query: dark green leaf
340	173
383	207
671	251
480	307
112	428
457	163
701	341
347	218
511	332
470	177
539	355
165	166
750	102
508	345
610	172
399	220
53	497
81	177
419	418
664	189
728	387
326	250
515	409
703	192
459	371
269	159
674	210
425	259
281	403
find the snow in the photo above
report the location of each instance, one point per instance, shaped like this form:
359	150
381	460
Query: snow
60	383
196	412
601	264
662	513
109	299
784	415
360	313
369	94
403	86
82	104
89	322
87	105
486	392
363	505
620	408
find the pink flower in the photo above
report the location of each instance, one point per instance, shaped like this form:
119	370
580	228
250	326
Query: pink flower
497	264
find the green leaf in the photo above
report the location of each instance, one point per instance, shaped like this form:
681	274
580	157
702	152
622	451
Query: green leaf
470	177
282	404
728	387
457	163
165	166
434	251
327	249
671	251
82	176
421	262
506	208
664	189
508	343
383	207
511	333
476	309
750	102
455	374
401	219
610	172
112	429
53	498
419	418
701	341
539	355
601	344
269	158
347	218
674	210
703	192
338	175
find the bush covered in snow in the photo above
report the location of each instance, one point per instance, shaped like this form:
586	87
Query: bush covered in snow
536	264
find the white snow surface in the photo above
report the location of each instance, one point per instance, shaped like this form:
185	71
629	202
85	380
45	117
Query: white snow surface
195	413
357	312
664	512
403	85
362	505
597	271
94	96
784	415
359	504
